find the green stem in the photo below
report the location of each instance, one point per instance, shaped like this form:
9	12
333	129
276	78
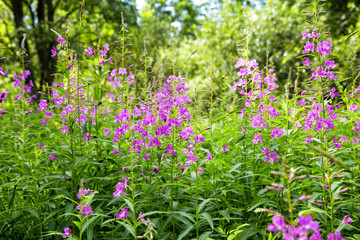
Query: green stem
196	206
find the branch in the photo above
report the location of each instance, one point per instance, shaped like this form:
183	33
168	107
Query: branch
327	155
57	4
63	19
8	5
31	13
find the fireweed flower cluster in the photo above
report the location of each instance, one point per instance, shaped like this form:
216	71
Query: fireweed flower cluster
163	118
257	89
25	89
84	209
305	226
159	127
2	99
70	100
143	125
321	117
2	94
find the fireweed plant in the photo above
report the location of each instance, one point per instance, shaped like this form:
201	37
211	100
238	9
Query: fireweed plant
93	157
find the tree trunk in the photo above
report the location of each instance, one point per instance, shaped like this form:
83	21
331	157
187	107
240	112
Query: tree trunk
18	11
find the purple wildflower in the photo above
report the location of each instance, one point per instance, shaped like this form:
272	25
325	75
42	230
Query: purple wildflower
142	218
120	187
347	220
333	94
208	155
52	157
330	64
257	138
84	209
82	193
306	62
89	51
2	71
147	157
353	107
276	132
199	139
324	47
42	105
307	224
336	236
41	146
257	121
316	235
62	41
336	143
65	129
279	224
309	47
53	52
271	157
123	213
67	232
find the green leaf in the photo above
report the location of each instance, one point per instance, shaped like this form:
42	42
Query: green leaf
249	232
88	222
128	228
77	224
130	205
209	219
205	236
12	196
202	205
185	232
33	212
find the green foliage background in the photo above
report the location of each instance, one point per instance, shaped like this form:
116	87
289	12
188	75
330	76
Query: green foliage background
205	37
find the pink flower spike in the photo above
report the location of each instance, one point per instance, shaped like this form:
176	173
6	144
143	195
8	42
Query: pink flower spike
274	189
319	204
344	190
277	185
302	198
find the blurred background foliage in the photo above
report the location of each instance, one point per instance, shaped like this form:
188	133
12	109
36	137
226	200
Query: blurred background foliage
203	37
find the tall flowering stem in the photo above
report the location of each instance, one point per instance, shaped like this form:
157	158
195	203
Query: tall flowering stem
322	116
